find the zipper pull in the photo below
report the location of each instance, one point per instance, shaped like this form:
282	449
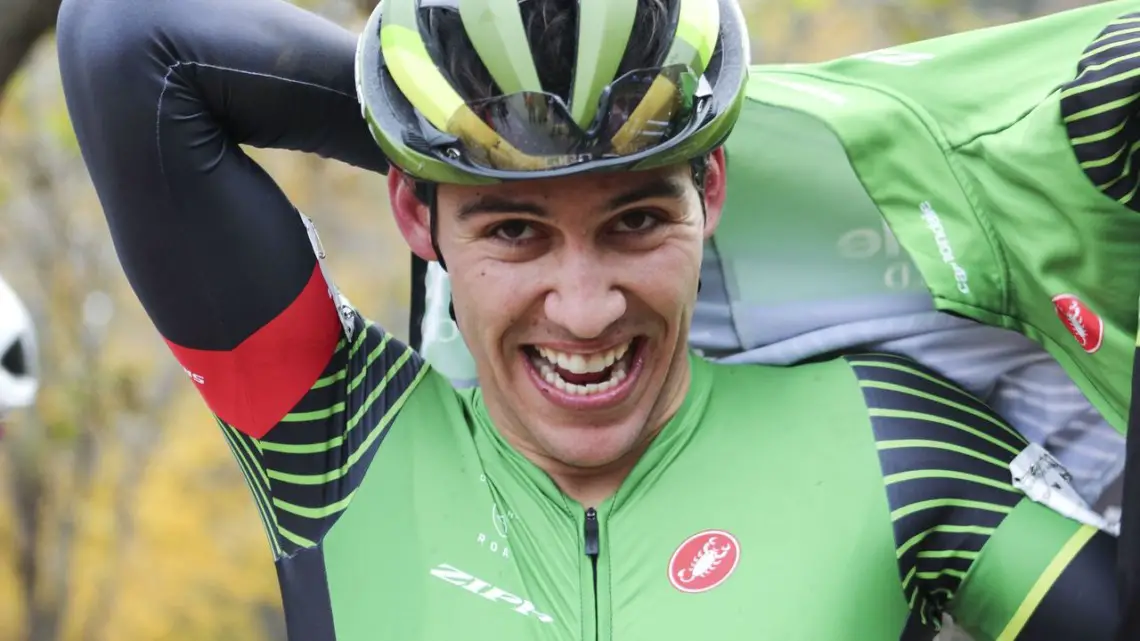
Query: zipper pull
591	532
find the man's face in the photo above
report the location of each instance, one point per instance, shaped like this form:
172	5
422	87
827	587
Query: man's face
574	296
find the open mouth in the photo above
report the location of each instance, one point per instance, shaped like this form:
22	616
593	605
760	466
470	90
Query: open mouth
595	375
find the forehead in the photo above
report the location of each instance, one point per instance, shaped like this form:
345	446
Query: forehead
600	191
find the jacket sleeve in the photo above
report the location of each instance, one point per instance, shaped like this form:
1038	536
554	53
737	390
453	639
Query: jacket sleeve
161	96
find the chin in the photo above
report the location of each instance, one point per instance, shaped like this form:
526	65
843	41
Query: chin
588	405
589	447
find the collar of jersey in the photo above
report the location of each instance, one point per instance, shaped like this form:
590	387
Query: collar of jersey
664	449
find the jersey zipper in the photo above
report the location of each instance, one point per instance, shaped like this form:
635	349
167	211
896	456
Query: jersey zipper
593	547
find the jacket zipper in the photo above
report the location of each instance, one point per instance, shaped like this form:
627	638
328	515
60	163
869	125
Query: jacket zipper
592	549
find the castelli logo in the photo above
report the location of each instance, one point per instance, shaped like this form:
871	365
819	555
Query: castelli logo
1082	323
704	561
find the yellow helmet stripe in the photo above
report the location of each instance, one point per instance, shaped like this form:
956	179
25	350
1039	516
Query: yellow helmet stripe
698	26
417	76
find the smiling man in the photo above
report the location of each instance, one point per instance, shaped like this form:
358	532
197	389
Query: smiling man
562	160
575	294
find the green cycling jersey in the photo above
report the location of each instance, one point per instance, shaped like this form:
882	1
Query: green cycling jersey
851	499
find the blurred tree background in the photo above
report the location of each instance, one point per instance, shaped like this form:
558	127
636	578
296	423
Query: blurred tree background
121	513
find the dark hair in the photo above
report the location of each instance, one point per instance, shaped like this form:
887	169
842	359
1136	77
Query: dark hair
552	31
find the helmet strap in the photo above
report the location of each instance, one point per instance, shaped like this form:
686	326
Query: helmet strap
433	221
426	192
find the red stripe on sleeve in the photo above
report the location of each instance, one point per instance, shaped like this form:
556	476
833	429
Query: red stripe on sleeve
253	386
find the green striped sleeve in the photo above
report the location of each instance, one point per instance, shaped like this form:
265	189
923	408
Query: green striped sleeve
1099	107
945	463
304	472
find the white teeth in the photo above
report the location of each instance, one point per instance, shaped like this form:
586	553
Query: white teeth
584	363
551	376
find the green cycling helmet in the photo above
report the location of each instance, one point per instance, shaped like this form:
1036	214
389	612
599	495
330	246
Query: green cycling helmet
679	108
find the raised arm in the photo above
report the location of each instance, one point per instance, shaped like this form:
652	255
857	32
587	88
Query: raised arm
161	94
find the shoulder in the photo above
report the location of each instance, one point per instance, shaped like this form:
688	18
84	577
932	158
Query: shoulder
822	396
378	365
835	374
908	404
913	406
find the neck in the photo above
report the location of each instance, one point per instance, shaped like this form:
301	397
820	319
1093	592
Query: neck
591	485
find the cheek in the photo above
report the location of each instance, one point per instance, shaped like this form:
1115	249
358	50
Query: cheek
495	296
667	278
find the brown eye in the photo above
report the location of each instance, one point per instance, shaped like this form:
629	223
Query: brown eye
514	231
636	221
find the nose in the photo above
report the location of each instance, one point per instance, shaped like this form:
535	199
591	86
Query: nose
584	300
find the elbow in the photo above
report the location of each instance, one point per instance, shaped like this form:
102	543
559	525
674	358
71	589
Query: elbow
100	43
112	65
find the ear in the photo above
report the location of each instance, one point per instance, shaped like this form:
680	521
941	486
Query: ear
412	216
715	190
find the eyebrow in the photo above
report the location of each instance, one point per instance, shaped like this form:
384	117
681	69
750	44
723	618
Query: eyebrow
668	188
